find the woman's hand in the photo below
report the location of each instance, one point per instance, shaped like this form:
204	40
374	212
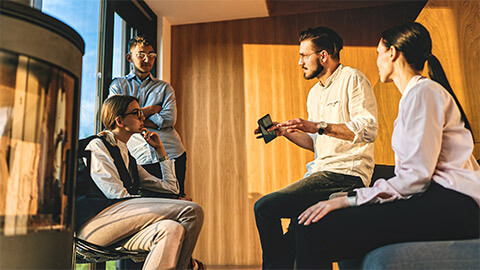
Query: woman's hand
317	211
153	139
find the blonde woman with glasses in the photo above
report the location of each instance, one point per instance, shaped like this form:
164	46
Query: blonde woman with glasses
113	212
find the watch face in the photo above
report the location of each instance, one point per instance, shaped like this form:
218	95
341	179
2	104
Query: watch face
322	125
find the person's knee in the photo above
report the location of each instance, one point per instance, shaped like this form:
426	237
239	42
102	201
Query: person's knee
263	204
197	212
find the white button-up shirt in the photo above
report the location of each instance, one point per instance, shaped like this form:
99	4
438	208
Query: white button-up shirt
430	144
347	97
105	174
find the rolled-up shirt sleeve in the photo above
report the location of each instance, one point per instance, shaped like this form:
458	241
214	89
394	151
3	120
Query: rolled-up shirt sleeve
363	110
168	183
417	141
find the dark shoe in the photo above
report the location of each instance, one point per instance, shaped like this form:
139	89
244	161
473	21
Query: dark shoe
196	265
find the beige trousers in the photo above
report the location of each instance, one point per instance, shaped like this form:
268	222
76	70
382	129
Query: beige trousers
167	228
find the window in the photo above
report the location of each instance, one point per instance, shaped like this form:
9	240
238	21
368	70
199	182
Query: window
104	56
74	13
119	46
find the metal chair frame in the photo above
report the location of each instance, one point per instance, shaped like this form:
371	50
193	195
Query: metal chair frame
96	256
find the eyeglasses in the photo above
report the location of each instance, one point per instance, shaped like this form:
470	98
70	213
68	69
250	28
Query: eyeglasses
139	113
143	55
306	57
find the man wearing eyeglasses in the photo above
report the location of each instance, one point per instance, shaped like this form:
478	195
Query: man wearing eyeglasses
340	130
157	99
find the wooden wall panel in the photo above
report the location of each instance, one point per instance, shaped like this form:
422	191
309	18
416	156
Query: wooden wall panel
455	30
226	76
281	92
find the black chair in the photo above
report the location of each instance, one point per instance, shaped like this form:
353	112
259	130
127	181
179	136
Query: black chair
97	256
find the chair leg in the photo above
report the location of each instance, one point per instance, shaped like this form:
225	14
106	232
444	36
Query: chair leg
97	266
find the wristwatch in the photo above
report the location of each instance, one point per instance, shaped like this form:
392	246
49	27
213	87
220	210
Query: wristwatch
164	158
352	198
323	125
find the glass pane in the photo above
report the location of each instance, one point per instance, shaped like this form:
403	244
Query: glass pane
83	17
36	110
119	48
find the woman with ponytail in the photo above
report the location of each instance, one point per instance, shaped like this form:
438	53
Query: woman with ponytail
435	193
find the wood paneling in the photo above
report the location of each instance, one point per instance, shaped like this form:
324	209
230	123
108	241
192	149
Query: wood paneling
281	92
229	74
455	30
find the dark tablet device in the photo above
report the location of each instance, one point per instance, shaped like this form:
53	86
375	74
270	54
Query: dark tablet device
265	123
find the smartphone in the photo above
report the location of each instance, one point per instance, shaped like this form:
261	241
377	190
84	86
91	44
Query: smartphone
265	123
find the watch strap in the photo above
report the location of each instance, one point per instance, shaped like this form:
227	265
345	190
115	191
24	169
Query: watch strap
163	158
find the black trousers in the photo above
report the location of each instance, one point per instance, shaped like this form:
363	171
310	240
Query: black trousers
278	248
437	214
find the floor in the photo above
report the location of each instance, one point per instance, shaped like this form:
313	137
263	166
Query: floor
235	267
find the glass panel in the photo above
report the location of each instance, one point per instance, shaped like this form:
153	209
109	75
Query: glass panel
83	17
36	109
119	48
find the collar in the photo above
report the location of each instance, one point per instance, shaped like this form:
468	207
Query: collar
413	81
332	77
132	75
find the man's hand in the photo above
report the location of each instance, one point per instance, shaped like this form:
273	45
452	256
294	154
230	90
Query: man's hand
149	110
280	131
317	211
300	124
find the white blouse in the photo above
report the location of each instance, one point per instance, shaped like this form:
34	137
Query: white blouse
430	144
106	177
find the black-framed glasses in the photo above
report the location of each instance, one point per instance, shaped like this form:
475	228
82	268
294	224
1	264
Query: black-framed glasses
139	113
143	55
306	57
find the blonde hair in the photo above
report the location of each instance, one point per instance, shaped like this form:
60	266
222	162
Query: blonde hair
114	107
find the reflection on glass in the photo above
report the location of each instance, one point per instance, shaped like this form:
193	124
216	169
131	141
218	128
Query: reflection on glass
83	16
119	48
35	119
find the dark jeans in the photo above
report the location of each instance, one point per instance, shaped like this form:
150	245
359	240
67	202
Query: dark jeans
180	168
290	202
437	214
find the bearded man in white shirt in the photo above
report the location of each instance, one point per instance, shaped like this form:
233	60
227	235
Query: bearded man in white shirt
340	130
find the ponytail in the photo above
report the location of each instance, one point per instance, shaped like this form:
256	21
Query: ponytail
436	73
414	41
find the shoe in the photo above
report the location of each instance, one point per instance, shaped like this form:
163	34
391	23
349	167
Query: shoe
196	265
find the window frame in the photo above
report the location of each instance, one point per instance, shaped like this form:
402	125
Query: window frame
140	19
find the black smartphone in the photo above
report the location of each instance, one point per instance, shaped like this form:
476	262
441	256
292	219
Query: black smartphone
265	123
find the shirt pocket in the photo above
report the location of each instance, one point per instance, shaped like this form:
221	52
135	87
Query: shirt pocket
332	112
332	104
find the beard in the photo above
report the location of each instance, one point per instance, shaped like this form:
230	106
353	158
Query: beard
315	72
